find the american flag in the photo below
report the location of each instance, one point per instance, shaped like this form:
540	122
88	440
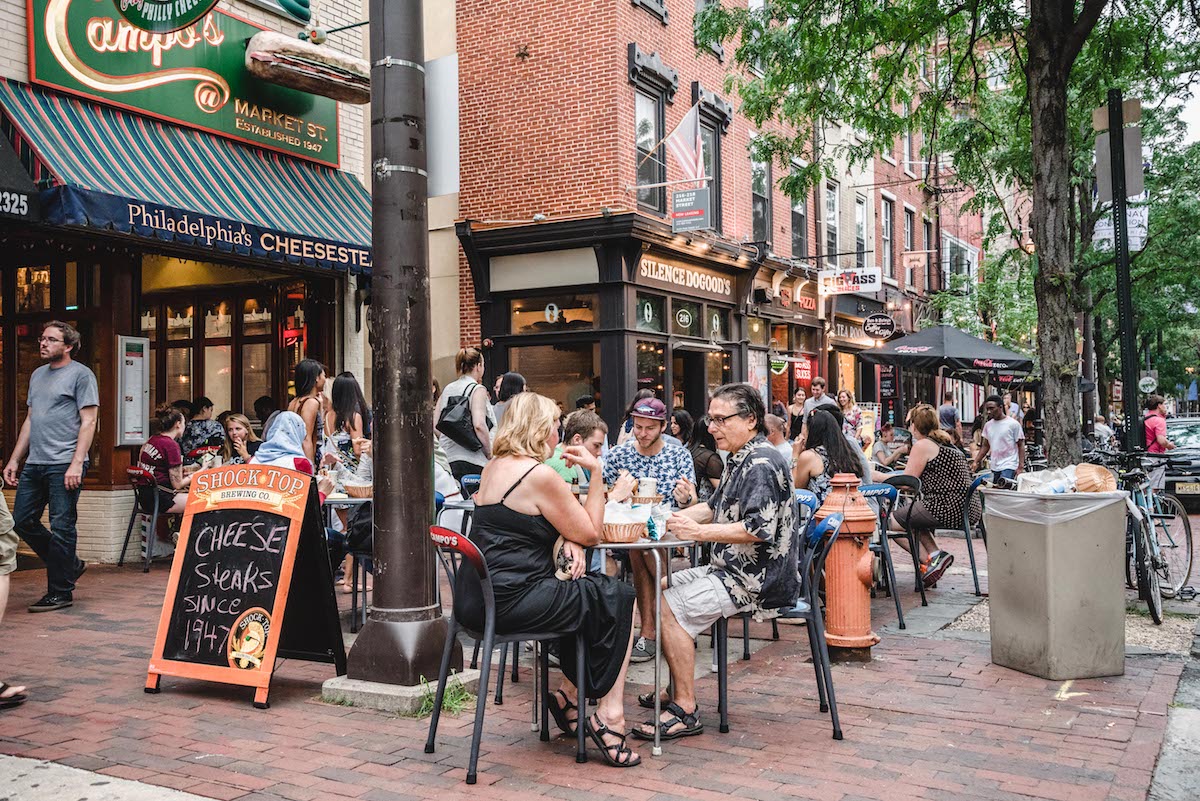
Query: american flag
685	144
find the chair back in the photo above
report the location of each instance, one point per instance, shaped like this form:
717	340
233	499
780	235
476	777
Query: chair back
439	500
885	495
145	488
823	536
470	484
471	555
807	500
975	485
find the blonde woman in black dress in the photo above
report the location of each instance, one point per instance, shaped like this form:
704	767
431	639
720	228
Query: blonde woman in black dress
522	507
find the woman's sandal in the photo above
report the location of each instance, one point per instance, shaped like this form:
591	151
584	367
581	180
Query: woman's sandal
597	730
569	727
690	720
10	701
646	701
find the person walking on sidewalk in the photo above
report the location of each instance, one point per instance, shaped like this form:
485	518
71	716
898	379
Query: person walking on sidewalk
649	457
1003	440
54	443
949	419
10	695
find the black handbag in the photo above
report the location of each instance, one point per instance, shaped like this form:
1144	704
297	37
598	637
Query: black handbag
456	423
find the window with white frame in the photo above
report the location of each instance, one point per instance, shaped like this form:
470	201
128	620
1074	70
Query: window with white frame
860	232
958	258
927	237
760	199
907	151
910	222
651	167
887	216
831	223
800	225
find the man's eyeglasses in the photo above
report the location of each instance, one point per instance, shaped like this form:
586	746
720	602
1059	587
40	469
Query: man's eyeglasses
719	421
47	340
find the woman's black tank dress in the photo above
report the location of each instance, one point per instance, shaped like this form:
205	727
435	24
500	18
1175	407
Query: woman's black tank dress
530	599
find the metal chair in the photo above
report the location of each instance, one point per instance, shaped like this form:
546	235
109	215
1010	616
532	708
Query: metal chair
470	485
910	488
145	502
474	563
886	495
817	542
969	530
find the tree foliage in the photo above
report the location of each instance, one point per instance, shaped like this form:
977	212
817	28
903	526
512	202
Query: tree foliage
923	67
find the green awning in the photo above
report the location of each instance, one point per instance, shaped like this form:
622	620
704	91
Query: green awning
104	168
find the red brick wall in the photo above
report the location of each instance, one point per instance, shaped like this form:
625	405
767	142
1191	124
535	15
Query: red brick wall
553	133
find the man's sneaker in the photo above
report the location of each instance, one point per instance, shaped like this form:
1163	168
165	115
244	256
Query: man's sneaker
51	601
644	650
939	562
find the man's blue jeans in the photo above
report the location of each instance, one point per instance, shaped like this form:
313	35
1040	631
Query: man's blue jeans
42	484
1007	473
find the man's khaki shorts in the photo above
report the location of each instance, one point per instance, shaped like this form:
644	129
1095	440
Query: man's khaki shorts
8	540
698	599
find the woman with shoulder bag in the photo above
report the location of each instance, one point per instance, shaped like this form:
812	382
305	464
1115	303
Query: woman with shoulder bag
463	411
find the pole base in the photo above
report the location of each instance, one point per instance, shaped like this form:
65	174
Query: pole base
400	651
837	654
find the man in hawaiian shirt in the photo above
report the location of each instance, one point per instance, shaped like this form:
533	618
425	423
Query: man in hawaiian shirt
754	556
648	455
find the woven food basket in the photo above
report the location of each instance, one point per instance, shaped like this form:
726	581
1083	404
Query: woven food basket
359	490
653	500
624	532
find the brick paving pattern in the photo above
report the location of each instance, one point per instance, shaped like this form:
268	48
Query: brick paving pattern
929	718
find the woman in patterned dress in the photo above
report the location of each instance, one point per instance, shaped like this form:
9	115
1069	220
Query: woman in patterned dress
826	451
945	482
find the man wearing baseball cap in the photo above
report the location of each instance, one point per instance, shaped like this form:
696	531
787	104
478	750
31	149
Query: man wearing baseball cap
670	466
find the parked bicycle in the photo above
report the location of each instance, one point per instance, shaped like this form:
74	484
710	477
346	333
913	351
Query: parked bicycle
1158	539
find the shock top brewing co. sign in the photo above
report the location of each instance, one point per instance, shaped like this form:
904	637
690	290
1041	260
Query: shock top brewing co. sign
194	76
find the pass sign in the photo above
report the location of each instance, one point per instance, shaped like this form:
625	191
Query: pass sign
858	279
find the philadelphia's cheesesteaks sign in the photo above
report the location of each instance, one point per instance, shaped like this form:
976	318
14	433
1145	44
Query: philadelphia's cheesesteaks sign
194	76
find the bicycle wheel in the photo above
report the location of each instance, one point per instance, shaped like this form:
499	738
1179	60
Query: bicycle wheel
1131	528
1173	532
1147	576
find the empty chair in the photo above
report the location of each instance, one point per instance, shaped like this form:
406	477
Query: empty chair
885	495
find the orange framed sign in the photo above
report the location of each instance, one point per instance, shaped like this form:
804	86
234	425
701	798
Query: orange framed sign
246	529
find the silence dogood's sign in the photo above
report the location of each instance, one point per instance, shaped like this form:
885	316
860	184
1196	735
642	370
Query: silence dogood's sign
194	76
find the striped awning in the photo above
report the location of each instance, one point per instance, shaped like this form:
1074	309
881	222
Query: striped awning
100	167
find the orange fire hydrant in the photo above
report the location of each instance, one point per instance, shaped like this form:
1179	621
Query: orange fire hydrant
848	573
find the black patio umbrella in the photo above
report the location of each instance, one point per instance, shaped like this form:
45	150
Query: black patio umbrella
946	346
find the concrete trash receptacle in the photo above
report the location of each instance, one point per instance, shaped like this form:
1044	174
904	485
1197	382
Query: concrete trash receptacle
1057	582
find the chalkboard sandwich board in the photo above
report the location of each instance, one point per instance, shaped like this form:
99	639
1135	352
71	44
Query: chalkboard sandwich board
250	534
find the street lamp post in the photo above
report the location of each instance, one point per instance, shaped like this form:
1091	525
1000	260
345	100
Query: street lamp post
405	632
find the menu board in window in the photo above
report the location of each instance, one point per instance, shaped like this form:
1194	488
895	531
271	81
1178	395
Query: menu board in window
133	390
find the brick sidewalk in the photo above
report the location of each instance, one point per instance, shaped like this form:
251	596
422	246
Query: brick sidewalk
929	718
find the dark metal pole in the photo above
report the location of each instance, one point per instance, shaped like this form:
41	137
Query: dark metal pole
1135	434
405	631
1089	371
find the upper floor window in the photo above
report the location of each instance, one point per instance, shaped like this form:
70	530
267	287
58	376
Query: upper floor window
927	232
651	166
860	232
710	141
760	199
800	225
887	211
958	258
910	221
656	7
831	224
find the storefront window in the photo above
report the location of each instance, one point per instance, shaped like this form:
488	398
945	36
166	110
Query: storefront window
218	376
759	332
805	339
716	370
33	288
295	334
218	322
71	287
651	312
780	341
553	313
179	322
718	324
256	317
685	318
651	366
563	373
179	374
256	375
846	372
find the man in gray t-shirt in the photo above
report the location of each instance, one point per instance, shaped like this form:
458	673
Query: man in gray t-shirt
819	398
949	419
54	443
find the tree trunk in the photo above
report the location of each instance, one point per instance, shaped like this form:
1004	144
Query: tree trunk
1047	77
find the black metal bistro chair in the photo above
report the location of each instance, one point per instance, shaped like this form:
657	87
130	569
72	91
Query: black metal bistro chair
909	488
885	495
969	530
817	541
473	563
145	502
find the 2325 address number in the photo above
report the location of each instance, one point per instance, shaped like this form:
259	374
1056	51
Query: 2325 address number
14	203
